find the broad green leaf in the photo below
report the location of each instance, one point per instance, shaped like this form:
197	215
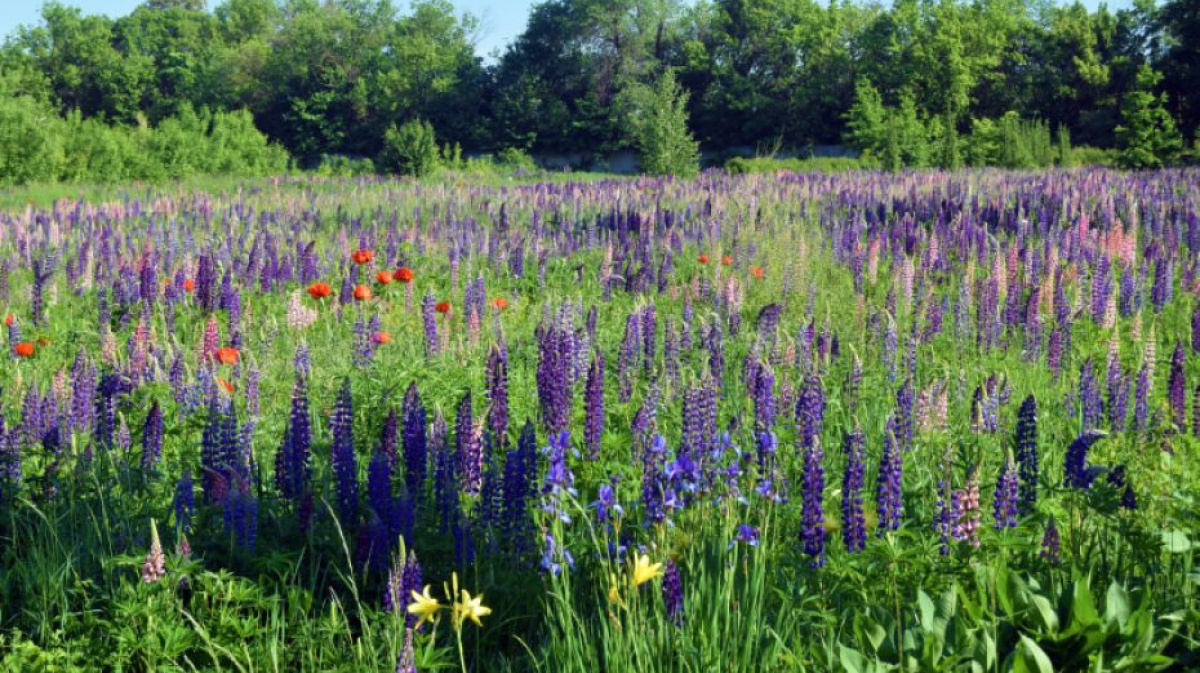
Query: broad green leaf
1083	604
852	660
1045	612
1116	605
1030	658
925	605
1176	542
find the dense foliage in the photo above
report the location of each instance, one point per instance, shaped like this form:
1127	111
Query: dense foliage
328	79
928	421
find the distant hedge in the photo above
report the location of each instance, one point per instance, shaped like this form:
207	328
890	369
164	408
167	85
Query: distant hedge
37	145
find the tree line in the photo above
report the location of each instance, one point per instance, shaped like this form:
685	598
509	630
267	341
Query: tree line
913	83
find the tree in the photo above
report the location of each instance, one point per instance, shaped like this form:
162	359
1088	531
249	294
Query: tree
1180	21
1147	136
658	124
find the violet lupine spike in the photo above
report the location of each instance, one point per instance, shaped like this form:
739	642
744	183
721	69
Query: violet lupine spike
553	379
764	399
629	356
1177	389
468	447
384	527
342	457
519	488
152	438
905	421
1141	400
594	406
889	483
810	412
1090	399
854	526
1051	543
1005	498
496	378
1027	454
672	589
416	456
429	322
813	515
1078	474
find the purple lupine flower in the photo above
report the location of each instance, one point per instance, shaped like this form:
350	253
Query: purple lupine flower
362	341
291	463
715	344
519	488
468	447
496	377
416	456
1078	474
1004	502
888	485
241	513
891	342
185	501
854	526
406	662
1141	400
559	481
429	321
905	422
1027	453
213	468
1118	394
593	430
1161	291
764	399
606	505
1177	389
445	479
206	277
342	456
384	526
553	378
83	393
653	482
555	557
152	438
813	531
649	324
389	436
1196	328
965	507
1051	543
810	412
1090	399
943	517
628	358
1054	351
672	589
850	391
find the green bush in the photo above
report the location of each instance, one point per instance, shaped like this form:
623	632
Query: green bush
342	166
31	142
745	165
411	149
658	125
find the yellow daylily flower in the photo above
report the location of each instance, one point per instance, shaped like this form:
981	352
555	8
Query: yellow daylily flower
471	608
424	606
644	571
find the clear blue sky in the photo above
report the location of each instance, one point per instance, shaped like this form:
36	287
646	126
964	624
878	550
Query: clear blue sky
501	21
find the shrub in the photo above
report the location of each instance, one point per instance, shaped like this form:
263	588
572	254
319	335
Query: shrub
658	123
410	149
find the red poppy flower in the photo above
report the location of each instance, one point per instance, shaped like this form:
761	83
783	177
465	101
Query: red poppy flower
704	259
443	307
383	277
500	303
227	355
8	319
23	349
226	385
362	293
726	260
404	274
319	290
757	272
189	285
382	338
361	257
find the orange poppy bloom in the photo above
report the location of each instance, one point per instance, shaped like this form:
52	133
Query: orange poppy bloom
726	260
361	257
189	285
8	319
383	277
500	303
404	274
362	293
226	385
23	349
757	272
382	338
227	355
443	307
704	259
319	290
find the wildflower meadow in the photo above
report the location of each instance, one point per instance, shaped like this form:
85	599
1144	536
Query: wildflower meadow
862	422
